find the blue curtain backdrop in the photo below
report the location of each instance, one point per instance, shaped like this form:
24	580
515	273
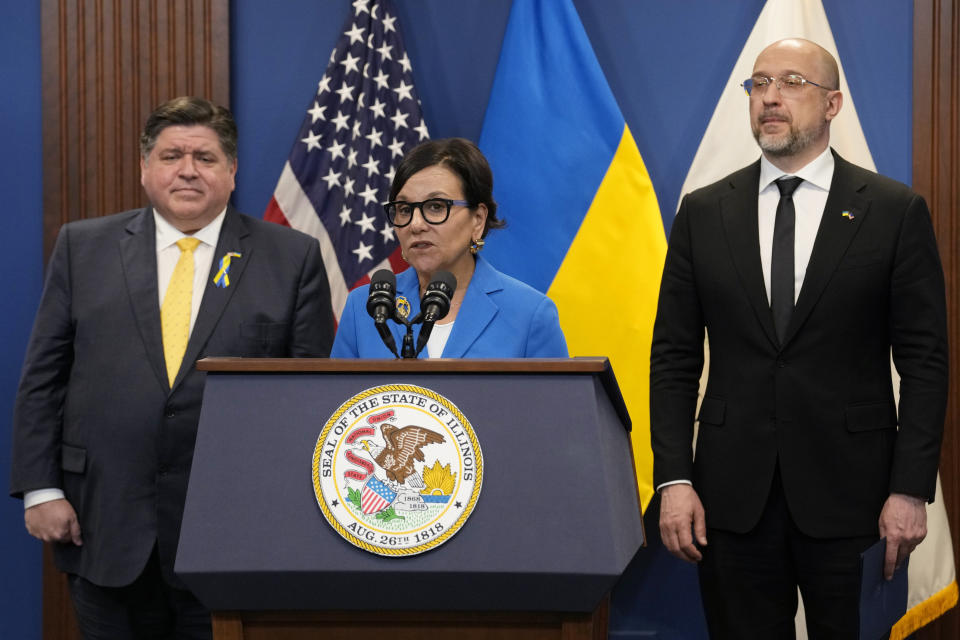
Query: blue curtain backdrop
665	62
20	282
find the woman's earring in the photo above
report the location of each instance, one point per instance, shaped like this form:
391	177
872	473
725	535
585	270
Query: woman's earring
476	245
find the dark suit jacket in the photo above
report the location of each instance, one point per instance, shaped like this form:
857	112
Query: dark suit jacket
822	403
94	412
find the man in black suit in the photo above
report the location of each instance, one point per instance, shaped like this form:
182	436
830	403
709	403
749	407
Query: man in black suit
109	400
803	287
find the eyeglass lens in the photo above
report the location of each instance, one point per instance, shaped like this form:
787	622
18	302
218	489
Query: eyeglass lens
788	85
434	211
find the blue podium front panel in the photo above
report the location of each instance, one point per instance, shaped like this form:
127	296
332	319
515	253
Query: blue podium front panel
556	523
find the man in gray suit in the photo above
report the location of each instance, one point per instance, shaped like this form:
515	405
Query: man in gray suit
109	400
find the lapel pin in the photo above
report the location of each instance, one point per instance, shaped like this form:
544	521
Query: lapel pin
222	279
848	215
403	307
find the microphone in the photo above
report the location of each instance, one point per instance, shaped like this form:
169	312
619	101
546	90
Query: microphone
435	304
380	304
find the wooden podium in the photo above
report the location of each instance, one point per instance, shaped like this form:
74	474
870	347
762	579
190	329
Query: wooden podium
557	521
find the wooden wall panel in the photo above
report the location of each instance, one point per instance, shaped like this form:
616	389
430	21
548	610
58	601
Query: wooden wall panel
936	175
105	65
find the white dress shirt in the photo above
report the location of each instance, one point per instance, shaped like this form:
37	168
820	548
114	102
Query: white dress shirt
167	255
809	200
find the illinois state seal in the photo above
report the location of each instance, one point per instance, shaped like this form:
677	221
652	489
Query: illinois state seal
397	470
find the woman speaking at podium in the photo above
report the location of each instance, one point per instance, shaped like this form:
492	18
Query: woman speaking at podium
441	206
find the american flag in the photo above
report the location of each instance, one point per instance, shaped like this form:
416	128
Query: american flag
364	116
376	496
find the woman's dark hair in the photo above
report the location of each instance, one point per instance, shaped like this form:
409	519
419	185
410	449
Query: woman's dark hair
465	160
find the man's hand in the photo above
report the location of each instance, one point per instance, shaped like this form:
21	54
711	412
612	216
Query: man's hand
903	522
53	521
682	519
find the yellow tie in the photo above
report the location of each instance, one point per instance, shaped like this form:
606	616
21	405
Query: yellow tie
176	308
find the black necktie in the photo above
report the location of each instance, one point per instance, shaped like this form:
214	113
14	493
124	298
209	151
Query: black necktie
781	262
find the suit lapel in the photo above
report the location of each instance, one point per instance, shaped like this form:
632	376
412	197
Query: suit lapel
138	253
480	310
232	238
833	237
738	211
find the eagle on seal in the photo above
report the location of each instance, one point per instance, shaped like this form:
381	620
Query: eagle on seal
403	447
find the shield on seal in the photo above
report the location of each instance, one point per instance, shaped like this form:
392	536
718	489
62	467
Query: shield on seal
375	496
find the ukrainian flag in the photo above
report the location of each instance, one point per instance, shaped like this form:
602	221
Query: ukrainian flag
583	222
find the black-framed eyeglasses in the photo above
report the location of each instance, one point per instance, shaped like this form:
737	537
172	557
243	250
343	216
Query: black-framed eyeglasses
789	85
434	210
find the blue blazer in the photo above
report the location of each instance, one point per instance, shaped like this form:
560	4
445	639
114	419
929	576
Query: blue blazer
500	317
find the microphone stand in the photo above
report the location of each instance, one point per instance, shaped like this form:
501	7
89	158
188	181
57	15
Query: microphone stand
407	350
436	300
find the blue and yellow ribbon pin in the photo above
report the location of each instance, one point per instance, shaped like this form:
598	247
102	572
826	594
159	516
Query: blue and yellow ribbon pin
403	307
222	279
